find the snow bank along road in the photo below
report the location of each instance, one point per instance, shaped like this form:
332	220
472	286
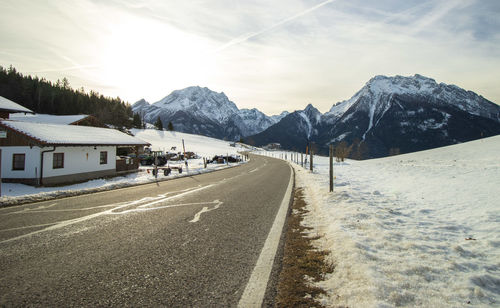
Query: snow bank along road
188	242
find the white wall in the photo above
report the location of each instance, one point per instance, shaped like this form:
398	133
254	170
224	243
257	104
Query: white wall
76	160
79	160
31	162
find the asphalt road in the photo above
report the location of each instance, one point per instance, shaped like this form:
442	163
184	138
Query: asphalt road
191	242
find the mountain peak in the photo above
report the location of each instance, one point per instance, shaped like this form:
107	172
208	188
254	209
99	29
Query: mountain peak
417	84
312	113
200	110
213	105
194	91
142	103
310	107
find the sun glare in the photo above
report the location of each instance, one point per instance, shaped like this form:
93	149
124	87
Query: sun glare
148	56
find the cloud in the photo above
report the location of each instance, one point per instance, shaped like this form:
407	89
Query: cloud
273	55
246	37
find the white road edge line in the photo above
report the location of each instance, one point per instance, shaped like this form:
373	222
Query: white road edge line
253	296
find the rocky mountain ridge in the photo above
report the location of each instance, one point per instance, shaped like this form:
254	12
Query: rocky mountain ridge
400	114
202	111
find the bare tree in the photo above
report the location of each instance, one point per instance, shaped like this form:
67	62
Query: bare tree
360	150
342	151
394	151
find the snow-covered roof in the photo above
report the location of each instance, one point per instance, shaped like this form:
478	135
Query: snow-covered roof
54	134
8	105
47	118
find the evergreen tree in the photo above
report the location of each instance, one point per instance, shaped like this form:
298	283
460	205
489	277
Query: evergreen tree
159	124
136	122
59	98
170	126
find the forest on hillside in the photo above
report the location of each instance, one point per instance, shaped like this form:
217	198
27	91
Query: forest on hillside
43	96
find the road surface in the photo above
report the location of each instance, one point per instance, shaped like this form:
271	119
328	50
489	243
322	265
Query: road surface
192	241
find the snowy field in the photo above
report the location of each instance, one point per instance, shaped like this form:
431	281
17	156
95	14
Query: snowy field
160	140
420	229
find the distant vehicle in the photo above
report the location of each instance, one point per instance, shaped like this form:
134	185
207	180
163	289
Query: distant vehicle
220	159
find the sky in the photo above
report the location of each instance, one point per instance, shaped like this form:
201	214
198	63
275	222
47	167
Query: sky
270	55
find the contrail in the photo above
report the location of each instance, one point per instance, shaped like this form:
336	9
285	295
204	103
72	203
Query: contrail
246	37
74	66
65	69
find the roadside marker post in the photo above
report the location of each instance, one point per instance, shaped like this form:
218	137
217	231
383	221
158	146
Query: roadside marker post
0	172
185	158
331	167
156	166
311	160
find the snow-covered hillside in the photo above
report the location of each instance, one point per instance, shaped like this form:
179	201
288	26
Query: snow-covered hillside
415	230
201	145
159	140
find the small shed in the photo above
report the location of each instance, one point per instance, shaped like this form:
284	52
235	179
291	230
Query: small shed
51	154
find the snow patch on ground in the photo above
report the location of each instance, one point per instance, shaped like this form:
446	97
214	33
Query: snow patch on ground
414	230
13	193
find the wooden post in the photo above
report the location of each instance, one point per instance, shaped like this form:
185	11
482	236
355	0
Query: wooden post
331	167
227	159
0	172
185	158
302	159
156	165
204	162
311	160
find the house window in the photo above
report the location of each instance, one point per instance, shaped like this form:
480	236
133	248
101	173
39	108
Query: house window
104	158
58	161
18	161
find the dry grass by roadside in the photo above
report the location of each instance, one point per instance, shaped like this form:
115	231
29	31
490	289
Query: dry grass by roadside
302	263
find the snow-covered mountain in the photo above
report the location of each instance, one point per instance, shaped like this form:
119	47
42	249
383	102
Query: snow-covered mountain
294	131
377	92
404	114
205	112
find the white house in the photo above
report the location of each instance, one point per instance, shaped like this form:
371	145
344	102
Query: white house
50	154
80	119
7	107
